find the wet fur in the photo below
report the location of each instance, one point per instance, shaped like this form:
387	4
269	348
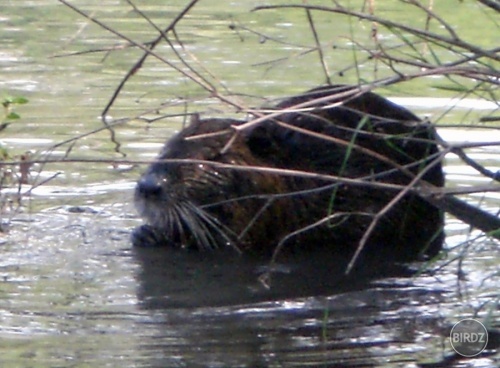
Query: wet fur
203	206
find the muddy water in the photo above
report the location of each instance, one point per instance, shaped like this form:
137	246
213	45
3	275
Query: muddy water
74	294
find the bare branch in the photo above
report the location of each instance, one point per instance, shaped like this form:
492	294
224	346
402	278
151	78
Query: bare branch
493	4
318	46
391	24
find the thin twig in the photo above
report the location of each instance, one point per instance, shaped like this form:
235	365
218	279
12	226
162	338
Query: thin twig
493	4
265	278
368	232
318	46
433	15
390	24
147	52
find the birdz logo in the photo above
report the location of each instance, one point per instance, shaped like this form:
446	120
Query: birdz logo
469	337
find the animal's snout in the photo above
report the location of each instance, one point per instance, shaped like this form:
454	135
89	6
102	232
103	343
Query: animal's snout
149	186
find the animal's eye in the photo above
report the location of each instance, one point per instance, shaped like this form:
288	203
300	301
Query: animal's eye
216	156
210	154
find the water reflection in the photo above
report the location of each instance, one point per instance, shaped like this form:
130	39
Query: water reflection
174	278
210	310
354	325
74	294
390	322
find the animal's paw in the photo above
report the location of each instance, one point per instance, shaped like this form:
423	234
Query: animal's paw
146	236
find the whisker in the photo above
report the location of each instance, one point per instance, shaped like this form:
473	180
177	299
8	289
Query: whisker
202	222
193	225
217	226
177	218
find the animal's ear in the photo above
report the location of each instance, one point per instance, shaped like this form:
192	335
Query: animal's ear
194	119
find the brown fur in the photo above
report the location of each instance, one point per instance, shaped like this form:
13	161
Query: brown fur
203	205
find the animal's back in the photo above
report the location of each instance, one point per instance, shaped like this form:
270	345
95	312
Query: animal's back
368	138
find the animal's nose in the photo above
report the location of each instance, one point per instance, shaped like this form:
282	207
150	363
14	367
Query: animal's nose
149	186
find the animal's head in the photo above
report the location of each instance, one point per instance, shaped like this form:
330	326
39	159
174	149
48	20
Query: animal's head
187	176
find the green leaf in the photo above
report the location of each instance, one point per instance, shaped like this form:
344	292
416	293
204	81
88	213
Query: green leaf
8	101
455	88
494	234
12	116
19	100
3	153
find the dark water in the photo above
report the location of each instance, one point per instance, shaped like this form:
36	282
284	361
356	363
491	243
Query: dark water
74	294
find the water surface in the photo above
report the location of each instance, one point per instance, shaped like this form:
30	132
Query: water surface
74	293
